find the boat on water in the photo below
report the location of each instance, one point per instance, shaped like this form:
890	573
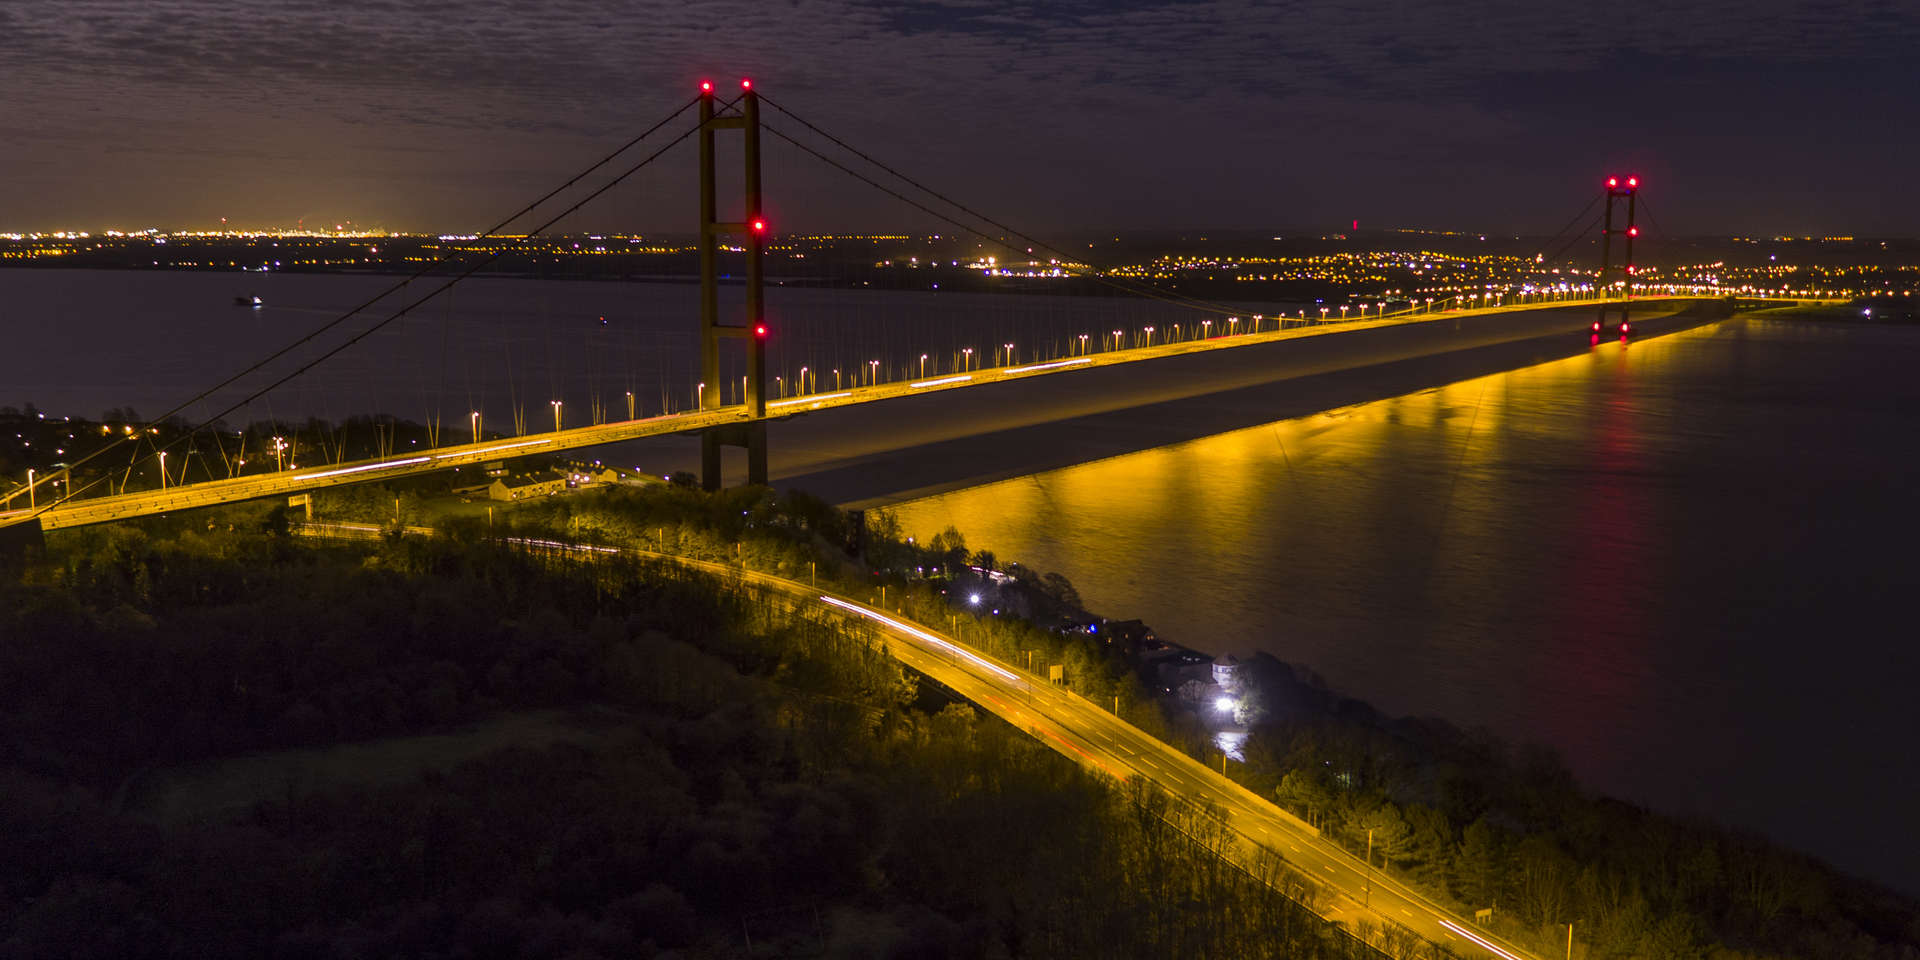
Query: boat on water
248	301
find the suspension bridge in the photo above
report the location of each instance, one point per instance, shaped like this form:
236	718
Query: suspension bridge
732	398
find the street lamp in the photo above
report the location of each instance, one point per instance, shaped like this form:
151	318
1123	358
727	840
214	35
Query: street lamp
802	388
163	469
873	372
1343	311
1368	898
630	413
968	351
30	501
836	378
474	417
1009	348
556	416
1083	344
1206	329
923	366
1149	336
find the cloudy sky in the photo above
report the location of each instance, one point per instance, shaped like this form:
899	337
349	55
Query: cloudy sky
1793	116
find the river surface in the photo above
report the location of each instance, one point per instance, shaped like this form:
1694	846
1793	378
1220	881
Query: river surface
77	342
1686	563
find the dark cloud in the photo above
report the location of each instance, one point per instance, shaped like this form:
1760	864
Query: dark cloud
1493	115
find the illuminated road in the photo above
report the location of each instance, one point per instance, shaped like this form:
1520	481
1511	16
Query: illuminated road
93	510
1096	739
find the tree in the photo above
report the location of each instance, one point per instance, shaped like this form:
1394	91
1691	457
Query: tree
951	546
1480	865
1430	840
1392	840
1304	794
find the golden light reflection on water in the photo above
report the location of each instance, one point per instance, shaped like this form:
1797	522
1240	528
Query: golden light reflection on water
1673	560
1376	541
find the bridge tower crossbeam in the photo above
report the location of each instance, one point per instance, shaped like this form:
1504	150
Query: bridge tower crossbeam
745	117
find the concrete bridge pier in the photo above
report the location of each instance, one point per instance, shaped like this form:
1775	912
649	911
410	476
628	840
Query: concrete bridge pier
751	435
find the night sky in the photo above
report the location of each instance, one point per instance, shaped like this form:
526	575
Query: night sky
1764	116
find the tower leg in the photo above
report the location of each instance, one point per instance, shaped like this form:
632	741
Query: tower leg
757	453
710	460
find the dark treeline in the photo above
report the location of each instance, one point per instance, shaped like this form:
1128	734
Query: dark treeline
753	784
1475	821
1465	817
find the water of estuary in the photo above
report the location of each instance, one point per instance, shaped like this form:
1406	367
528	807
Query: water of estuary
1686	563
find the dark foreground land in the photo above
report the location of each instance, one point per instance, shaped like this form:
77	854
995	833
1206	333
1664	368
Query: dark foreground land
220	740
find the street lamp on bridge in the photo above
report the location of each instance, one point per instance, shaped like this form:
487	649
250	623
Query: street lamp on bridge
556	416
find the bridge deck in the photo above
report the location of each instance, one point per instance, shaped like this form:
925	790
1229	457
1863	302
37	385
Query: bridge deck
81	512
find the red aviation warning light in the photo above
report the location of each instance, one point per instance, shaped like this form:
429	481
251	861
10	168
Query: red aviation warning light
1613	181
706	86
746	84
1633	181
1633	231
759	226
760	331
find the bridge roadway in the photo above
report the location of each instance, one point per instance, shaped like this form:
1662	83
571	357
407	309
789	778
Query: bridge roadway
1097	739
1427	333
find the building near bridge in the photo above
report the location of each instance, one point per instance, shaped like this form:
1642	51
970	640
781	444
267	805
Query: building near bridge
545	483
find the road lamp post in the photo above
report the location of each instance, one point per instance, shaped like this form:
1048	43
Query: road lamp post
1368	900
1009	348
556	416
873	372
802	388
1206	329
630	411
923	366
1083	344
1149	336
163	469
474	418
31	503
967	352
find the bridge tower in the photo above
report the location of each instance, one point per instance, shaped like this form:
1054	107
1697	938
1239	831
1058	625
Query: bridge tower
745	117
1617	190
